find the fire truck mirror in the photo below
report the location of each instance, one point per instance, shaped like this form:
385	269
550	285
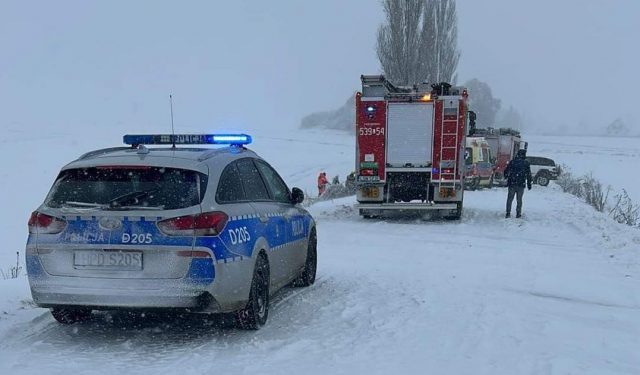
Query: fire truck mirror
472	122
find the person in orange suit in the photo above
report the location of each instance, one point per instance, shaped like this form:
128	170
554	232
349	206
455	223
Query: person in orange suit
322	183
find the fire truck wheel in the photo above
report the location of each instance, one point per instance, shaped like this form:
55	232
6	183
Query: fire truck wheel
367	214
458	213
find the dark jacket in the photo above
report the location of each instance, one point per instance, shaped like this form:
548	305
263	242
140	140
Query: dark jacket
518	172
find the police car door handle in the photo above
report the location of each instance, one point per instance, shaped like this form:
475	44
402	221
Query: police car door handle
263	218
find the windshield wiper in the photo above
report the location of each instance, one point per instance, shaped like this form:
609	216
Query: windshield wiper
149	208
133	197
75	204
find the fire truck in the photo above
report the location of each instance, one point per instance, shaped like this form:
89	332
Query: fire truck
504	143
410	144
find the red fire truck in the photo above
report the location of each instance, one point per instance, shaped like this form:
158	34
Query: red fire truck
504	143
410	144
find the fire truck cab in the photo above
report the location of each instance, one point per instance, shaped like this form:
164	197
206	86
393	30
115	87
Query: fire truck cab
410	144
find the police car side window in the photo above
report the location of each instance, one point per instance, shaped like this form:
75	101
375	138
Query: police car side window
230	187
254	187
278	188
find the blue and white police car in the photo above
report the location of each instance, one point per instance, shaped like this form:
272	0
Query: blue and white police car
211	230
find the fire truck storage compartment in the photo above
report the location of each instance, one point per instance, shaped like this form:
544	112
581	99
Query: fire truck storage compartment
409	186
409	134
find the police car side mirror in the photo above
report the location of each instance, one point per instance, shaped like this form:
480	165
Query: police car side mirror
297	196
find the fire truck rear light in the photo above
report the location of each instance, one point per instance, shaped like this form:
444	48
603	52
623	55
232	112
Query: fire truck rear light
45	224
205	224
367	172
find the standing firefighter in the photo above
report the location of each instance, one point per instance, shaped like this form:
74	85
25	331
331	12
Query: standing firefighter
517	173
322	183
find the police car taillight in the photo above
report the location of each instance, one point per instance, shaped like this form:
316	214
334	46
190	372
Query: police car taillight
45	224
205	224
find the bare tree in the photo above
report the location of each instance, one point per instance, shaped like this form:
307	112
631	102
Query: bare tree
418	42
399	40
440	39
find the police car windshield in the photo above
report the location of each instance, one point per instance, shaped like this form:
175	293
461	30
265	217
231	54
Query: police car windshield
127	188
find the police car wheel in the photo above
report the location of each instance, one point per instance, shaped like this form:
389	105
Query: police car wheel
255	314
70	316
308	275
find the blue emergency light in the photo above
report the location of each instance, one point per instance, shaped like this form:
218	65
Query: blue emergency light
187	139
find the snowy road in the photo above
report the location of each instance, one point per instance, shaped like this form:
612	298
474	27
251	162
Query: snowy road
555	293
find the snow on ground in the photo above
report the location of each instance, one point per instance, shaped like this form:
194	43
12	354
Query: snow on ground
554	293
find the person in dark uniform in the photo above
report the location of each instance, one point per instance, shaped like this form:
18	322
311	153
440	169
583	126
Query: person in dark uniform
518	173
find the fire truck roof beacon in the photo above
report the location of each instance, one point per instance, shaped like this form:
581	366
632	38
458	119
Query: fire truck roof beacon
187	139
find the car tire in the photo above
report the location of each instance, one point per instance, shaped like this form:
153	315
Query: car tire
542	179
70	316
308	275
255	314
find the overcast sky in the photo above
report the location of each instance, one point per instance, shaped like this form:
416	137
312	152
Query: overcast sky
78	64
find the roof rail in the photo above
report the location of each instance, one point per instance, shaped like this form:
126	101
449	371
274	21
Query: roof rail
102	151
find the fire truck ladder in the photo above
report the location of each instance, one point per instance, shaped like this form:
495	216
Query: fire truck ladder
448	179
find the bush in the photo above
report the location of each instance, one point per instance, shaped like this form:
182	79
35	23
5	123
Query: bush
625	211
568	183
12	272
593	193
585	187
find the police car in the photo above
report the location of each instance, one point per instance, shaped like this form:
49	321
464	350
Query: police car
211	230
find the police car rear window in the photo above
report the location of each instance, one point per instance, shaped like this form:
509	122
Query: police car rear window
128	188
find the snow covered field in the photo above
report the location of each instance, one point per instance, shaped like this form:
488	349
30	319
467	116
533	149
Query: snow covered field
555	293
611	160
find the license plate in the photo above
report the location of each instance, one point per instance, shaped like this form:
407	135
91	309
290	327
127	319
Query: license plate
114	260
371	192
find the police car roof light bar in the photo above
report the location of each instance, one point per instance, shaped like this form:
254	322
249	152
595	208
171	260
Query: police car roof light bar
187	139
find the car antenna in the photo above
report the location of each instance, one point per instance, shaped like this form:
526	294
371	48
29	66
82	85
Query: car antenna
173	132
